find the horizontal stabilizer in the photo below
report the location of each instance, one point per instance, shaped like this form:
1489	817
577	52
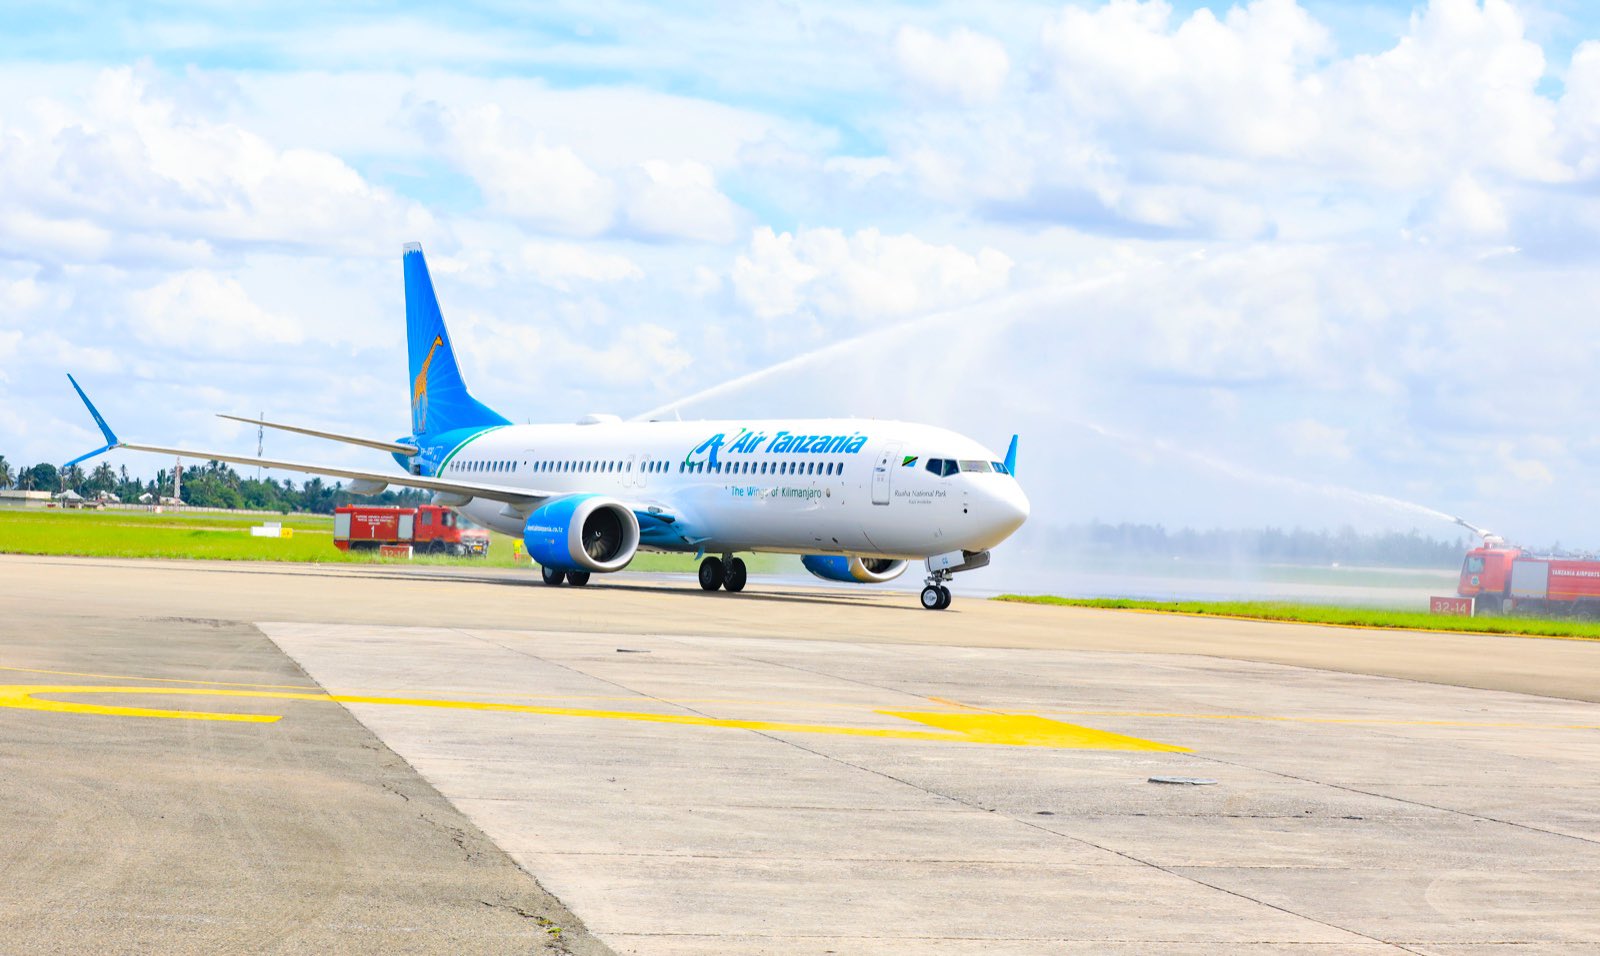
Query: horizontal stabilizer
393	447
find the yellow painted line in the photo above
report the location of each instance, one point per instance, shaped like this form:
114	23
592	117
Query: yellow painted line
620	698
1376	721
1015	730
1285	620
23	697
1028	730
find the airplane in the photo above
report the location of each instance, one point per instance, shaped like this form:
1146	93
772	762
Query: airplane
857	499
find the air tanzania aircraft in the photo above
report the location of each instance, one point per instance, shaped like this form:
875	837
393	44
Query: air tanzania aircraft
859	499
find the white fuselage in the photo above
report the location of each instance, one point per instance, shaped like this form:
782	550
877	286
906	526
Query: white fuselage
827	486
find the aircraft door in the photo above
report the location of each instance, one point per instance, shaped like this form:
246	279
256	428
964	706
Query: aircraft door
882	471
630	476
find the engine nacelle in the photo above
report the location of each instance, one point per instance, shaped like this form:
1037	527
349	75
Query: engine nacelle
852	569
582	533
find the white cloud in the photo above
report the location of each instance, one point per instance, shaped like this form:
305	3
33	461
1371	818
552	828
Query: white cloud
1249	124
863	275
1312	439
1524	470
680	199
964	66
124	173
551	189
561	264
201	310
1238	83
548	187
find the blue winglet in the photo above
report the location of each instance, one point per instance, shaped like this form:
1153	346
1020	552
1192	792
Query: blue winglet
111	439
1011	455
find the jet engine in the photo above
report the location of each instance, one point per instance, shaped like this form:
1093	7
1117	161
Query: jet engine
582	533
853	570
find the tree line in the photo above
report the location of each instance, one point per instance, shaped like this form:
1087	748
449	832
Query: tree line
211	485
1269	545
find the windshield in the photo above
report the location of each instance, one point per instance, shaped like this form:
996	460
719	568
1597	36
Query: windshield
1474	564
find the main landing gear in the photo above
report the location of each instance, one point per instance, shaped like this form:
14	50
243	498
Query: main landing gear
724	572
556	578
936	597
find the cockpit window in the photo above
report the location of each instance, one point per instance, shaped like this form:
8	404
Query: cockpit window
1000	466
982	467
941	466
1474	564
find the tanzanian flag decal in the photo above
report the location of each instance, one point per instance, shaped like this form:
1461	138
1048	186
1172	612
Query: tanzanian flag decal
910	461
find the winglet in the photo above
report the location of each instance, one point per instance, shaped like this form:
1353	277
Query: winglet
111	439
1011	455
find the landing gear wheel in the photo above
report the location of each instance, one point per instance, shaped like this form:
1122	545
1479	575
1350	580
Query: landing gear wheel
932	599
944	598
553	577
711	574
735	577
577	578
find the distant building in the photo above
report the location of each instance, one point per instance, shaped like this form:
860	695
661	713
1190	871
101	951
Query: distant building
18	498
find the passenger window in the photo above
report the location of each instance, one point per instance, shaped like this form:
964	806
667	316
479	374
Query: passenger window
427	517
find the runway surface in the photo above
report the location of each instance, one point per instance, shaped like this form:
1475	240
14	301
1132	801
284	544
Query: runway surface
466	761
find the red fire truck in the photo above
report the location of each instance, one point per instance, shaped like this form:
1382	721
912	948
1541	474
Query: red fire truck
1500	577
428	529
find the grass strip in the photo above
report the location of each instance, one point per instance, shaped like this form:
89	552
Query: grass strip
213	536
1339	616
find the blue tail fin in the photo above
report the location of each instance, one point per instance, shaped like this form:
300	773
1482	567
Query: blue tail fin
440	401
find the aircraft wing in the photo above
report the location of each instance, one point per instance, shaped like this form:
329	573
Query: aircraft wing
372	481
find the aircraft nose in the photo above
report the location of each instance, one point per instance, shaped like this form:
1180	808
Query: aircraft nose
1004	509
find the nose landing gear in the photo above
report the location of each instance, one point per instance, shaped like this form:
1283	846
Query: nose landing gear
941	568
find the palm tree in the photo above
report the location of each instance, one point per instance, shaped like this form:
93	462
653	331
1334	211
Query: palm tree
5	473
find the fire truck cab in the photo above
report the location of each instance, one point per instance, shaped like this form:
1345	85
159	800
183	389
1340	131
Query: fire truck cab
1486	577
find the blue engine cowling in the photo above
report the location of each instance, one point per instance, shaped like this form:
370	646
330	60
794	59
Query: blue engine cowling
853	570
582	533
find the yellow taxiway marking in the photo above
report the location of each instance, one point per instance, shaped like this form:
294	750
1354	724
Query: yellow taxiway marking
1374	721
1013	730
731	701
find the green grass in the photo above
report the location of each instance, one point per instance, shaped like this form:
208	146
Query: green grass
221	536
1324	614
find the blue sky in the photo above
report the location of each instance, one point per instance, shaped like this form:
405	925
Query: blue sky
1219	264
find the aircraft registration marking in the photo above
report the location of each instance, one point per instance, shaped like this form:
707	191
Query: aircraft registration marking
1011	730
